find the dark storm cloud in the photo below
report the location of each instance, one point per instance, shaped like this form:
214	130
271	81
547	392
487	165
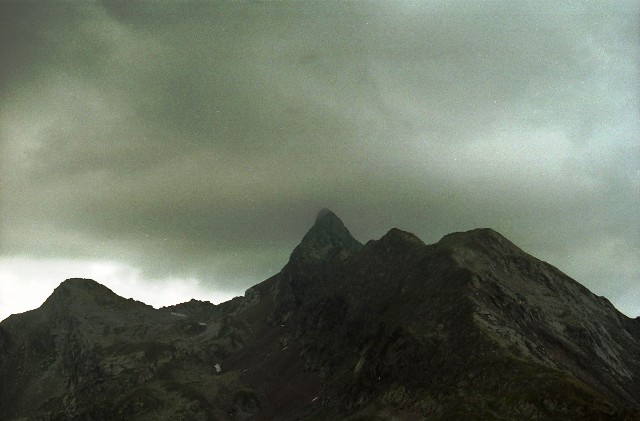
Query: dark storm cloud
196	139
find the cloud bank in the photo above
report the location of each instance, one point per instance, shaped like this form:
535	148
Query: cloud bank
197	141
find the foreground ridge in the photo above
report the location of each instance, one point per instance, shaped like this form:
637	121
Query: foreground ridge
468	327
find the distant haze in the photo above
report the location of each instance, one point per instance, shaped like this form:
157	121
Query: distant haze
182	149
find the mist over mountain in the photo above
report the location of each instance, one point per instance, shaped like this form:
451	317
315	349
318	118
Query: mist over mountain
471	327
188	142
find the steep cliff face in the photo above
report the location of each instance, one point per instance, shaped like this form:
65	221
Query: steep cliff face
471	326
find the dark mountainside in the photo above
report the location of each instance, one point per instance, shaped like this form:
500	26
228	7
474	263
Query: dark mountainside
471	327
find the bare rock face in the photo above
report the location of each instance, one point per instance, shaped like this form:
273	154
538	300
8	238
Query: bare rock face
471	327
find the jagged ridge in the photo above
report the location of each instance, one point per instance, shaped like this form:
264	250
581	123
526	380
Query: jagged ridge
471	326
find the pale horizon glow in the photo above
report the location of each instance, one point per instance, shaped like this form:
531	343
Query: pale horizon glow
26	283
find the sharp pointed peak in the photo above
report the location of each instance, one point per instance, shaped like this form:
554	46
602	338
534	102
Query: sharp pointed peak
325	213
328	219
328	233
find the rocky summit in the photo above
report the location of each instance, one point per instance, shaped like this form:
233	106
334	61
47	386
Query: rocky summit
470	327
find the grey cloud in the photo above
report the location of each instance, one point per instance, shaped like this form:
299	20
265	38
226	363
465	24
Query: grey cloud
201	138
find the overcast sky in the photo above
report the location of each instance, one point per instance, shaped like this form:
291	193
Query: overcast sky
175	150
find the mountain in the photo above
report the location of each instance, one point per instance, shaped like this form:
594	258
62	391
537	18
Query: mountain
470	327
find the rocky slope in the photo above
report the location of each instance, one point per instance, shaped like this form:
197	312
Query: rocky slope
471	327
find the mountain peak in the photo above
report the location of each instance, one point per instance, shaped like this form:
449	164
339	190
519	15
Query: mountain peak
398	236
325	213
329	221
77	286
328	235
78	283
486	239
75	291
397	328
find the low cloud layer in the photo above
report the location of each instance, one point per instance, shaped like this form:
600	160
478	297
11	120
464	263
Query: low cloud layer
197	141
